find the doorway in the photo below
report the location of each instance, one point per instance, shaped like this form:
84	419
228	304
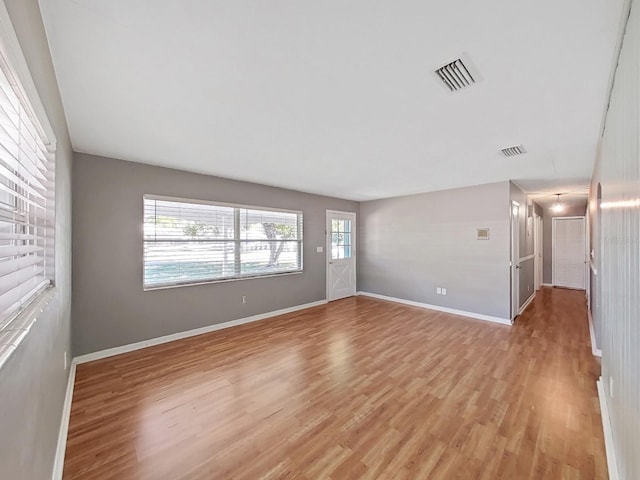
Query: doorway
515	259
341	255
569	252
537	250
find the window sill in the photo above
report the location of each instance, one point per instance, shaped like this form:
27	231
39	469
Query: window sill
225	280
17	329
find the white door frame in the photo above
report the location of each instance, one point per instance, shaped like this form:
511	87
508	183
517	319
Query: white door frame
587	258
514	263
327	256
541	252
553	247
537	250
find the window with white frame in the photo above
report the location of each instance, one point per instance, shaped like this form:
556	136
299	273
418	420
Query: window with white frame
191	241
26	201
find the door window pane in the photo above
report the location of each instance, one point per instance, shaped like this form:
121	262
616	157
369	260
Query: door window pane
340	239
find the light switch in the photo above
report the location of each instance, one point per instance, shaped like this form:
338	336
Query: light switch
319	249
438	291
444	291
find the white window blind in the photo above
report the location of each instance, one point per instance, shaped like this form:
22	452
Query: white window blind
189	241
26	201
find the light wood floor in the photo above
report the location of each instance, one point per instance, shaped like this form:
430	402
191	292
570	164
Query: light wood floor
359	388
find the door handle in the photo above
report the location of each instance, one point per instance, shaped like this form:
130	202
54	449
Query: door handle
518	267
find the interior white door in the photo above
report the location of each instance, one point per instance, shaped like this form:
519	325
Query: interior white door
537	251
569	252
341	255
515	259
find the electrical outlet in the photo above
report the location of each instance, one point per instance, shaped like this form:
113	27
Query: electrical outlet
244	299
65	360
444	291
438	291
319	249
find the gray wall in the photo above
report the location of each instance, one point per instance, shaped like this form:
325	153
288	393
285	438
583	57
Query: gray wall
33	381
525	237
527	280
109	306
538	209
411	245
617	253
547	237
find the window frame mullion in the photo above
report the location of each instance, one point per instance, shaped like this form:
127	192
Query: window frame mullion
237	267
299	233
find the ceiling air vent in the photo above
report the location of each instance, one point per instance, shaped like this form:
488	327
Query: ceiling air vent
456	75
513	151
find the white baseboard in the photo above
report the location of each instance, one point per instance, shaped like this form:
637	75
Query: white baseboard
58	464
547	284
527	303
609	446
478	316
594	347
109	352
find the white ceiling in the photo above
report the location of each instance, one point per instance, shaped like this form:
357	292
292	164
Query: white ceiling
338	97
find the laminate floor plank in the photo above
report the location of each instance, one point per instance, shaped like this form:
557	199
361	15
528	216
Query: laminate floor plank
359	388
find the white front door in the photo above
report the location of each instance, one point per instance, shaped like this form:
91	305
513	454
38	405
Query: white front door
569	252
341	255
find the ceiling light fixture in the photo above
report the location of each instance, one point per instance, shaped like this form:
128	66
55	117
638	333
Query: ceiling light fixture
558	207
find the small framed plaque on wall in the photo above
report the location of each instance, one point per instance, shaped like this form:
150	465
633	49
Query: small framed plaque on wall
483	234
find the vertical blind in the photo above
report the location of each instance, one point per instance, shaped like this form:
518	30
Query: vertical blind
188	242
26	201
